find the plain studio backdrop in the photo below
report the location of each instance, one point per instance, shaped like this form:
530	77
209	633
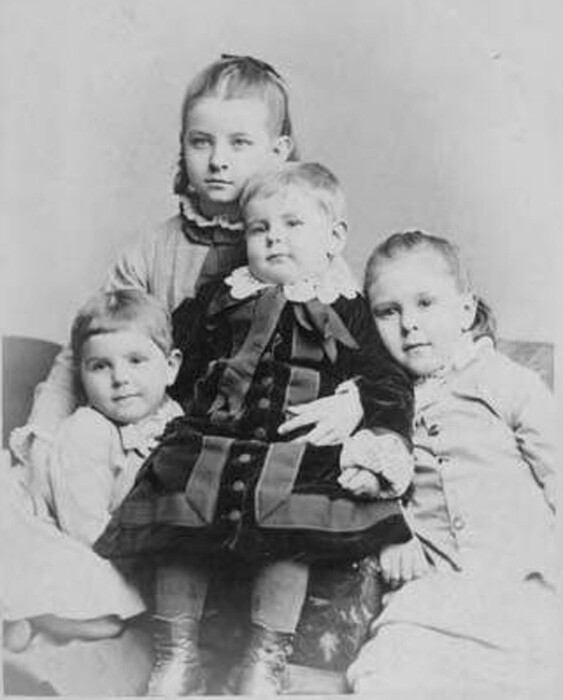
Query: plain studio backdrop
443	115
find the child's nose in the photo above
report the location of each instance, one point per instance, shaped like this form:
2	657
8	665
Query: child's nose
409	322
274	235
120	374
218	157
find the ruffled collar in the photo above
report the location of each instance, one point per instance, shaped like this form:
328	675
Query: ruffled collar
337	281
143	436
190	211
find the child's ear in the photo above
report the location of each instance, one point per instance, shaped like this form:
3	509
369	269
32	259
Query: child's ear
173	361
469	309
338	237
283	146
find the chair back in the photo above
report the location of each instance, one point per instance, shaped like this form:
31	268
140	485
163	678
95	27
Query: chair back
25	362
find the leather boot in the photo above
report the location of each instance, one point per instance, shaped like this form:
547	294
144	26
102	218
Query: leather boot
264	671
177	668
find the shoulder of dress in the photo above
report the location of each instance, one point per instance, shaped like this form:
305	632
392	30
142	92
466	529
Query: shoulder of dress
498	368
88	425
503	384
169	230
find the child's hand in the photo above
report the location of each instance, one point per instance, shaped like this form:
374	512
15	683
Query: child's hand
333	417
400	563
360	482
385	455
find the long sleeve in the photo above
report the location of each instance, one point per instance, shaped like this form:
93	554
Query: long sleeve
193	337
81	474
533	420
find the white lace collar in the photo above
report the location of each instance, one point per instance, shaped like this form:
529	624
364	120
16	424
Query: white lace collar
192	214
337	281
142	436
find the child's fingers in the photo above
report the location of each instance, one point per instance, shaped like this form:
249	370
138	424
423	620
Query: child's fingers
349	479
420	563
359	481
333	417
390	565
321	435
367	483
402	562
413	563
305	414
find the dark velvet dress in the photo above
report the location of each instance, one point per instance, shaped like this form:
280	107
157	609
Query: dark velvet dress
222	480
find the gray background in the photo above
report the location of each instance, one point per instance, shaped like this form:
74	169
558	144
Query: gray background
439	114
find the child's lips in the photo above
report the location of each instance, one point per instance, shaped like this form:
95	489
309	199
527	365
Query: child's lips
277	257
415	346
217	182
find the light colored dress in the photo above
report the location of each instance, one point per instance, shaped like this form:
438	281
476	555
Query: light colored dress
44	571
52	570
93	465
486	617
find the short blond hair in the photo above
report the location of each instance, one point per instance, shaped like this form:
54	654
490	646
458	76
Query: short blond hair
314	178
123	309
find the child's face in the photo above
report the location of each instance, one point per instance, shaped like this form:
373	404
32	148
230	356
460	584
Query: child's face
125	374
226	143
289	236
419	310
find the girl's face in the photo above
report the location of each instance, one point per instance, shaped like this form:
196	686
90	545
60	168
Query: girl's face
289	236
125	374
227	142
419	310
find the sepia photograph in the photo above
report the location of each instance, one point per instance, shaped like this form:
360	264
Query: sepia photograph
282	348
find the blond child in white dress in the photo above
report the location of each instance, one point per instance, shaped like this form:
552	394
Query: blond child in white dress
473	610
53	582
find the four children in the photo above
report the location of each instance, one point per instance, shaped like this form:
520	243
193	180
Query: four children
261	467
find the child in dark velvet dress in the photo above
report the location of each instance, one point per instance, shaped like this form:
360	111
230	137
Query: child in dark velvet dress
289	328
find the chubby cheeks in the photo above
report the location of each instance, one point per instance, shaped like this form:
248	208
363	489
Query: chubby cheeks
290	236
125	374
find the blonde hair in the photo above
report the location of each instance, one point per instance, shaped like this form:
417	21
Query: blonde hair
318	180
123	309
407	242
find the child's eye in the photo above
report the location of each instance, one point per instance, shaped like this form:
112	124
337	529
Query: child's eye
255	229
241	142
426	302
385	311
199	141
137	359
294	222
96	365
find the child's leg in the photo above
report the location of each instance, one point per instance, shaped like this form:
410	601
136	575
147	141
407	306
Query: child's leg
278	595
180	591
179	601
18	634
277	599
64	629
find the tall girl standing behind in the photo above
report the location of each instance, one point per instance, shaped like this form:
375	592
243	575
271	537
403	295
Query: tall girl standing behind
474	605
235	124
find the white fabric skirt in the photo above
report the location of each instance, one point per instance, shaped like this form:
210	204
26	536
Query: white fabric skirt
44	571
